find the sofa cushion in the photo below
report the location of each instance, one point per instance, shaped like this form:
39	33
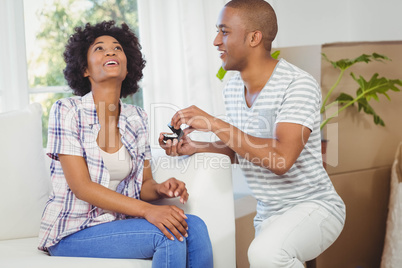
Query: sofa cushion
24	177
19	253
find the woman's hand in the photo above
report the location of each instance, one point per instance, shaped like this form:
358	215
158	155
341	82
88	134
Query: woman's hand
168	218
173	188
151	190
173	148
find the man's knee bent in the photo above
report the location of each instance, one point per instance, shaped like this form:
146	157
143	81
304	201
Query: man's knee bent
262	255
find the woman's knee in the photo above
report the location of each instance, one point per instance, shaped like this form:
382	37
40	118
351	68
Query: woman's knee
198	232
193	219
196	224
199	243
162	241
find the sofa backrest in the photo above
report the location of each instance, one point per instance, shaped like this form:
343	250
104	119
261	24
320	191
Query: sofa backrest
24	177
208	179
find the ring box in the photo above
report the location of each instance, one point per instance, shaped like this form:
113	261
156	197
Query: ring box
177	134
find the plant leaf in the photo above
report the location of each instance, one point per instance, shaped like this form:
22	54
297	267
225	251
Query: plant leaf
380	57
376	85
221	73
365	106
394	82
359	81
367	89
326	58
276	54
362	58
370	89
344	98
344	64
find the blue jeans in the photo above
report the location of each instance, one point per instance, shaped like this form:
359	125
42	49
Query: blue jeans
140	239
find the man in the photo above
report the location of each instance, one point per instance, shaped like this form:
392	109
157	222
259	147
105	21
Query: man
273	110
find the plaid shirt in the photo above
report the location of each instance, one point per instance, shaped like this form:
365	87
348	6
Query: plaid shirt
73	130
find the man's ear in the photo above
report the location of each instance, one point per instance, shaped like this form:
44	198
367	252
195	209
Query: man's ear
256	38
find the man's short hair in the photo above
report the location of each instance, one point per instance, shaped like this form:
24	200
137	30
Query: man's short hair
258	15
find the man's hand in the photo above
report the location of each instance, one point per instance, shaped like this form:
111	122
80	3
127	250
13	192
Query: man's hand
195	118
173	188
199	120
173	148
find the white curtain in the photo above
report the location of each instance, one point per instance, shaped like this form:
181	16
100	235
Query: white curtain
13	70
177	41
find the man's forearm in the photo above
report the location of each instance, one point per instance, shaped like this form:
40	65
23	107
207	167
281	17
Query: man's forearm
215	147
260	151
277	155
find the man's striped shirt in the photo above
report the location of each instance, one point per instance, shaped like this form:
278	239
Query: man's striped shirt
293	96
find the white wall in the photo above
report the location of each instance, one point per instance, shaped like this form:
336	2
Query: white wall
314	22
309	22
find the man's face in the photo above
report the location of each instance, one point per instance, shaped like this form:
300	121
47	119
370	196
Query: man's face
231	39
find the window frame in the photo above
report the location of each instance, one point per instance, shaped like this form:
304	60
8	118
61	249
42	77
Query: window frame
39	89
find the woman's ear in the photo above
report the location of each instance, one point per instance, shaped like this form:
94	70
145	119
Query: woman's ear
256	38
86	73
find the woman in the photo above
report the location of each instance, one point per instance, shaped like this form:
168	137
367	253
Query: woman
101	172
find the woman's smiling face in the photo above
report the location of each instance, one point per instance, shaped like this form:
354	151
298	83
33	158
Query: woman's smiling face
106	60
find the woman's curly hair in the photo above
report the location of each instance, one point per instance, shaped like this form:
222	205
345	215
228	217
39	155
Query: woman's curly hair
77	47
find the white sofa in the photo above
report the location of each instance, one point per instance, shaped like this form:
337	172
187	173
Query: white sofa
25	185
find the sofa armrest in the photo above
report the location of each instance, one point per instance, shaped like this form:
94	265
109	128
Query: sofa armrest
209	183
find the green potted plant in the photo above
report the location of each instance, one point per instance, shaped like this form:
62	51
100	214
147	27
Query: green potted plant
366	91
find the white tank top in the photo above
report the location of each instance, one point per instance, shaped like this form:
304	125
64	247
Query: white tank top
118	164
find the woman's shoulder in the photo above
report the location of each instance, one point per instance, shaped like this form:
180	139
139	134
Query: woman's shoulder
68	102
133	110
65	108
65	105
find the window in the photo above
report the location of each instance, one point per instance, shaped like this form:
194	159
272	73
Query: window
48	25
